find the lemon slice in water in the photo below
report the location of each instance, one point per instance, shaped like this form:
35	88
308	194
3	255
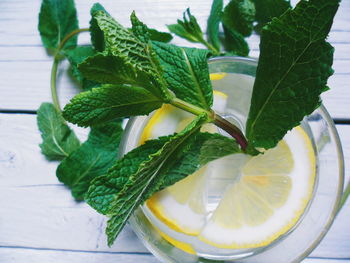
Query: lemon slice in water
268	200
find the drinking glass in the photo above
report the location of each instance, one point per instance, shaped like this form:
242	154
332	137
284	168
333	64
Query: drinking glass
305	235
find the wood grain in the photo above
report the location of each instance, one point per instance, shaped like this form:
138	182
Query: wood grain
36	211
25	65
39	220
32	255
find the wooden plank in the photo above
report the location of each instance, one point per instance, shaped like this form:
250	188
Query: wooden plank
19	20
325	260
15	255
37	211
25	66
29	182
20	255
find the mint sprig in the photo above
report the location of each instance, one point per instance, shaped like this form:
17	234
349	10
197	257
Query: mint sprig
237	19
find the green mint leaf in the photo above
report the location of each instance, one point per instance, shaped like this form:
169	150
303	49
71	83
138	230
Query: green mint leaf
268	9
97	38
213	23
92	159
186	73
201	149
216	146
156	35
144	33
147	179
139	29
239	16
109	69
103	189
235	43
75	57
294	65
109	102
57	18
58	139
129	49
188	28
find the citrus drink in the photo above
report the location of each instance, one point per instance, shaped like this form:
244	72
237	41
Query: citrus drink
239	202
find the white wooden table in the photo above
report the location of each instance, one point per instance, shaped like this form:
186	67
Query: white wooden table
39	220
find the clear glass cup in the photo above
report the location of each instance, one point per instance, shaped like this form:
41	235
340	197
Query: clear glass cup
301	239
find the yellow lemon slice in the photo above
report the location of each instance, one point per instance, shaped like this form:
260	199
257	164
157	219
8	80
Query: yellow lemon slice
268	200
217	76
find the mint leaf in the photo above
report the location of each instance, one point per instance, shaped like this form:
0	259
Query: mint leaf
103	189
92	159
145	33
97	38
213	23
186	73
57	18
214	146
109	102
58	139
75	57
200	149
109	69
268	9
294	65
188	28
235	43
139	29
156	35
147	179
239	16
132	52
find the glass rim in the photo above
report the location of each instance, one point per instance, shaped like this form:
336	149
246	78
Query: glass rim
332	130
340	156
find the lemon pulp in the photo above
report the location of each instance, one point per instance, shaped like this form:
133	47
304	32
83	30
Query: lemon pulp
236	202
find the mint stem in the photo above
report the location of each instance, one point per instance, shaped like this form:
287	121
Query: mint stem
215	51
219	121
55	66
190	107
231	129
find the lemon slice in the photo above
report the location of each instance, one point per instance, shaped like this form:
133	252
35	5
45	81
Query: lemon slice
217	76
268	200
